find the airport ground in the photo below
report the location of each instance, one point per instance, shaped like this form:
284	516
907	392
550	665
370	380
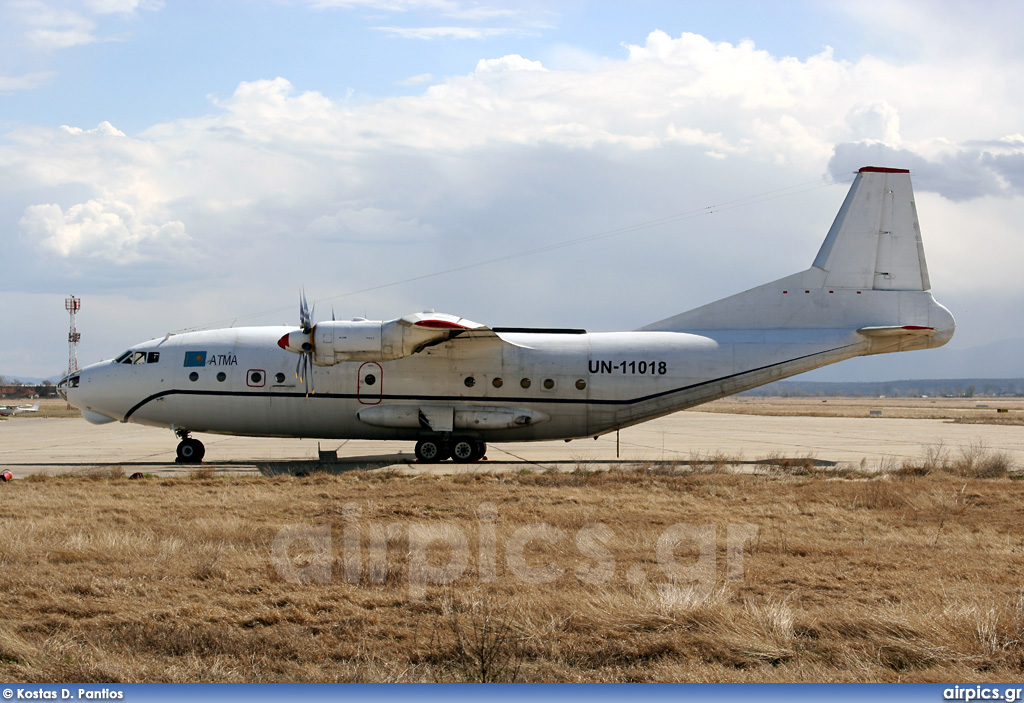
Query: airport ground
868	434
718	546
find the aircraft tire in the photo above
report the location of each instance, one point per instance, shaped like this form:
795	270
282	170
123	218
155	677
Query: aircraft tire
190	451
464	450
431	451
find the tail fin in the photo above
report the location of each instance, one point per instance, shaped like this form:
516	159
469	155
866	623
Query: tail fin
875	241
869	273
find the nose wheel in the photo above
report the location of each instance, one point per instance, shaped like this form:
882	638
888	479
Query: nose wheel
190	451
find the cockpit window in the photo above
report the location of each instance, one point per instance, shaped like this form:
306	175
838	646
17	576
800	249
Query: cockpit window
138	357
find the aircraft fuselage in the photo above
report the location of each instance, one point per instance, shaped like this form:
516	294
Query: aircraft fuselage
569	384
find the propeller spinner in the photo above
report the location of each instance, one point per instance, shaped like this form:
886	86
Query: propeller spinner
301	343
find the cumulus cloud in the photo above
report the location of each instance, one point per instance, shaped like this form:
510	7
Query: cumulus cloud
52	28
294	186
53	25
109	230
959	173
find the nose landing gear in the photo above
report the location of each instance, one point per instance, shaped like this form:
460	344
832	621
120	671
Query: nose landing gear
462	450
190	451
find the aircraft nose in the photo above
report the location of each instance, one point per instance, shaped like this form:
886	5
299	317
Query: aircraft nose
70	380
87	390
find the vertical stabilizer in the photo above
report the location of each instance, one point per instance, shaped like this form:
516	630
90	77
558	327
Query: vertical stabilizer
875	241
870	273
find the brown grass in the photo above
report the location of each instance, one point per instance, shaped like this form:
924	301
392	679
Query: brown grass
896	577
48	407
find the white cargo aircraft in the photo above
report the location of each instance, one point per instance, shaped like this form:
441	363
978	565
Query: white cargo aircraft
451	385
8	410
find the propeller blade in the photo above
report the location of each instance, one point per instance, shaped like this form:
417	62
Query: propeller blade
305	315
307	363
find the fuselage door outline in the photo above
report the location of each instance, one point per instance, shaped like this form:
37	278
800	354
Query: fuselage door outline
370	383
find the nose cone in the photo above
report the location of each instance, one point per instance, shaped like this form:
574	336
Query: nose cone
296	342
93	391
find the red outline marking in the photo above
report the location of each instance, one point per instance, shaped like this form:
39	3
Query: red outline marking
440	325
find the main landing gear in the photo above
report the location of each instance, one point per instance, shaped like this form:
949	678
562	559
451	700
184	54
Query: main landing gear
462	450
190	451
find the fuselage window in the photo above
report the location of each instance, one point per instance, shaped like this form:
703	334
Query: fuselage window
497	382
581	384
194	376
470	381
525	383
549	383
140	358
370	379
279	378
152	357
222	376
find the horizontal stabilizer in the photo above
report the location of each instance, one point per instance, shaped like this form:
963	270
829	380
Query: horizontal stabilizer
897	331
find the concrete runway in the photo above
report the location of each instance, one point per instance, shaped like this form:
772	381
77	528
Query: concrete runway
57	445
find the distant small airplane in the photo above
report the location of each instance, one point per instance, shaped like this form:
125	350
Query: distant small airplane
8	410
451	384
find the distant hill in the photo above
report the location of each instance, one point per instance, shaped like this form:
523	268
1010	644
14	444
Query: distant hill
961	387
997	360
29	380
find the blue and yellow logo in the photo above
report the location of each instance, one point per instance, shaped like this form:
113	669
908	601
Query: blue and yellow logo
195	358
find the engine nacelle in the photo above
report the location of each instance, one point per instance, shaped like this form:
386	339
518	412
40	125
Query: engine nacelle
373	340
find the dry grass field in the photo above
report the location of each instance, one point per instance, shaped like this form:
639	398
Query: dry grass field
636	574
48	407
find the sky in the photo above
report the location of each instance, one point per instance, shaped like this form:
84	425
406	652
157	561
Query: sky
182	165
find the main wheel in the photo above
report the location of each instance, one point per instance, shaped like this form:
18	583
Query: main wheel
190	451
465	451
430	450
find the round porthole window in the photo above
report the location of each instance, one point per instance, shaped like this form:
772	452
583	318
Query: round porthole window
470	381
221	376
525	383
497	383
581	384
279	378
370	379
256	378
549	383
194	376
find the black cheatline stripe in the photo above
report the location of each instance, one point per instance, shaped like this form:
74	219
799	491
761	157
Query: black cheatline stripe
489	399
